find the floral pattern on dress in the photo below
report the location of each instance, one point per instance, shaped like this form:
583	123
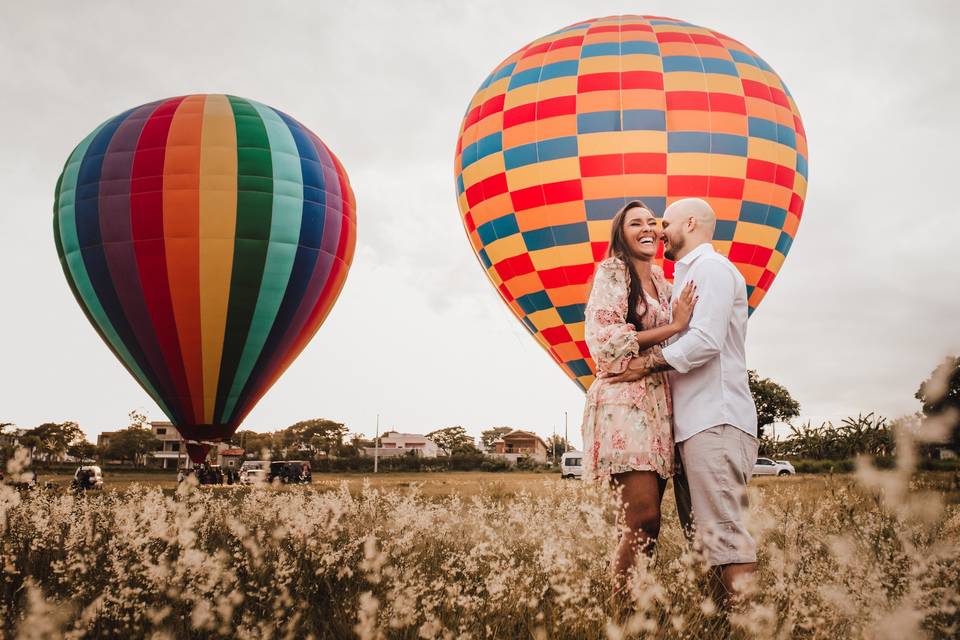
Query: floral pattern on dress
627	426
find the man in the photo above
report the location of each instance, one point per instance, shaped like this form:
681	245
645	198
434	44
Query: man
715	419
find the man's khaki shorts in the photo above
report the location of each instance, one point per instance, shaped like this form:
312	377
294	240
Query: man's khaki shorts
717	464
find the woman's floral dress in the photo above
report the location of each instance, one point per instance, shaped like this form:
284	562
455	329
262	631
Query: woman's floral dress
627	426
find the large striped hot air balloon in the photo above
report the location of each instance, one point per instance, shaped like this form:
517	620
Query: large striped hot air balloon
572	126
206	238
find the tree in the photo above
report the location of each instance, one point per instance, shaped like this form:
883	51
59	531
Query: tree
82	450
774	402
132	444
487	437
252	441
453	440
314	435
940	395
51	440
557	445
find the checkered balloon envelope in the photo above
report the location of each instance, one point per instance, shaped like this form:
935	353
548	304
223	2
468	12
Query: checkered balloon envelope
574	125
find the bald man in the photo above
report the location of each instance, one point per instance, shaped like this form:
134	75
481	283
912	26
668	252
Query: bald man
715	419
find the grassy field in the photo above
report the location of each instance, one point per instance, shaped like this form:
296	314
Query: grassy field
466	555
469	483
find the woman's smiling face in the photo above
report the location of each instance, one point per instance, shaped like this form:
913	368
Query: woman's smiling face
641	231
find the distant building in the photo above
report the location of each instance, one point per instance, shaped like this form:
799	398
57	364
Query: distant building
170	449
394	443
229	457
517	444
103	439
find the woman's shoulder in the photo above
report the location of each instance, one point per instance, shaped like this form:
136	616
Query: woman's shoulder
613	263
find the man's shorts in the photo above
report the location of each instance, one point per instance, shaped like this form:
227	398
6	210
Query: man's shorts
717	464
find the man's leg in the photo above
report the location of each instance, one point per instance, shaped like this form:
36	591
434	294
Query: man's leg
681	493
716	471
733	573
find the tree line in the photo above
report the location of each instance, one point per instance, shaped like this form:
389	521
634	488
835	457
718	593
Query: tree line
324	438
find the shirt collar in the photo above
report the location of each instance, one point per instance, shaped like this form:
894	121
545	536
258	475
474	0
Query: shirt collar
700	250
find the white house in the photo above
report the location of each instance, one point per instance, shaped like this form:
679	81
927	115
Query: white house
394	443
171	449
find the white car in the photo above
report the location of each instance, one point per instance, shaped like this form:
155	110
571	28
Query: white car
768	467
93	472
571	465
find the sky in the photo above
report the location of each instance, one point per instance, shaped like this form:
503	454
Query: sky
864	308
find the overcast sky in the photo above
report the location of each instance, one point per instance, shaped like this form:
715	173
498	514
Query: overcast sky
866	305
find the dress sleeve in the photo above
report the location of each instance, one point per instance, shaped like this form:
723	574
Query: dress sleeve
611	339
662	281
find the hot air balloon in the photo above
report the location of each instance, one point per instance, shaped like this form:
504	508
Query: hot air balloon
206	238
575	124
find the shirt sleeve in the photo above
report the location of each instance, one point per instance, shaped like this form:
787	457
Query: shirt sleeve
703	339
612	341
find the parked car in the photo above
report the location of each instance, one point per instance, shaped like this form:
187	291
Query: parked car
571	465
768	467
290	472
260	469
88	477
23	480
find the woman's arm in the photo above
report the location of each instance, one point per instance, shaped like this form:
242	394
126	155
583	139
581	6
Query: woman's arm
612	340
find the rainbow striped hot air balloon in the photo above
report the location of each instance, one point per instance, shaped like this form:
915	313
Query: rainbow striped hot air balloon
572	126
206	238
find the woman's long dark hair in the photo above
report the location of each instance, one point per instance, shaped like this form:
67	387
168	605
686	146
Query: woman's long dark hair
618	248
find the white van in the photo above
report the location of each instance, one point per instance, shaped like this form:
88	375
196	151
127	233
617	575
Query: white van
571	464
254	471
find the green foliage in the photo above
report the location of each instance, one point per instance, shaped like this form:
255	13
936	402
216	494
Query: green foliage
557	445
132	444
774	402
452	439
940	394
489	435
51	440
865	434
83	450
313	436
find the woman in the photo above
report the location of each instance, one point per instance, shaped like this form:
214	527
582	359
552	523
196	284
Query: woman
627	427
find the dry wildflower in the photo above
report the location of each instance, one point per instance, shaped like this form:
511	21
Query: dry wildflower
367	627
837	559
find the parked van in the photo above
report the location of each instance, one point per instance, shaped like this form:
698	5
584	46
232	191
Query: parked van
571	465
254	471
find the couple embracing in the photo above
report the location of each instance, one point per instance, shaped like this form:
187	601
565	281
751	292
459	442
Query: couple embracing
671	398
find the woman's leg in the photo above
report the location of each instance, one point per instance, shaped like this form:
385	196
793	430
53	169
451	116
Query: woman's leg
641	492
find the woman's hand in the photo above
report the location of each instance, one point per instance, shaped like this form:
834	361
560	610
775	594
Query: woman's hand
683	307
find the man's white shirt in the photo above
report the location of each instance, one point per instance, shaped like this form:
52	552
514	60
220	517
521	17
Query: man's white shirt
709	384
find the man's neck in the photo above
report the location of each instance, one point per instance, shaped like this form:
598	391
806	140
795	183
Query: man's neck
687	250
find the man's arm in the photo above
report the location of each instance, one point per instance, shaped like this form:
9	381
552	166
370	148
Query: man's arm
716	288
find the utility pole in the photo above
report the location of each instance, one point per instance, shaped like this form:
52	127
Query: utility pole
376	447
566	437
553	446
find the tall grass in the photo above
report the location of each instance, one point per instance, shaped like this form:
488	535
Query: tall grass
875	555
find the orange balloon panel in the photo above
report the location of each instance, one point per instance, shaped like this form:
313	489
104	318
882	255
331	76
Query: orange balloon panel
572	126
